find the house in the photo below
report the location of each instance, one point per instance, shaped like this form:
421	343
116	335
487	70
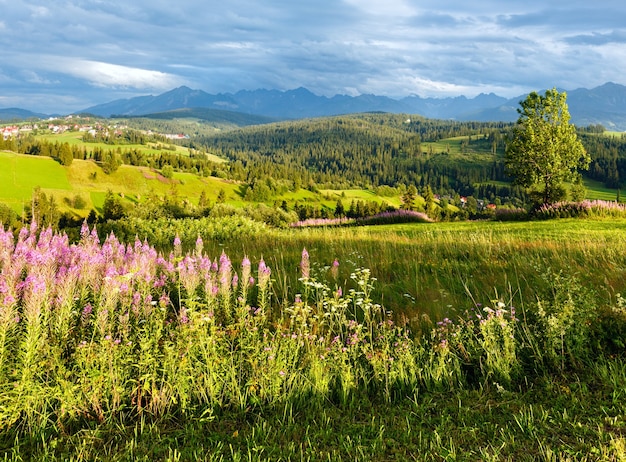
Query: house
10	131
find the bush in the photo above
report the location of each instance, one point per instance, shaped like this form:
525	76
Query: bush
78	202
110	162
511	214
167	171
273	216
8	217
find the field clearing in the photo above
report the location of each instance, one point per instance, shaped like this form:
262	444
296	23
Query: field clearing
597	191
20	174
461	148
75	138
152	149
347	195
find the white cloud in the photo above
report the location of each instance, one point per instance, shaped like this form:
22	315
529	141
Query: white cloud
114	75
34	77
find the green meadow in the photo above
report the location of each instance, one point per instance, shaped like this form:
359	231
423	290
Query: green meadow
439	269
20	174
597	191
554	393
465	149
222	338
348	195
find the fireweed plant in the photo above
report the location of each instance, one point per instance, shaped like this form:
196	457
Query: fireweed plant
97	331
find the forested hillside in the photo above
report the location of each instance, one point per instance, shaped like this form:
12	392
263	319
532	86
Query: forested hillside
369	150
608	154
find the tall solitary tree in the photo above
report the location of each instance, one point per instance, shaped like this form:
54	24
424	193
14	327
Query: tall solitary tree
544	149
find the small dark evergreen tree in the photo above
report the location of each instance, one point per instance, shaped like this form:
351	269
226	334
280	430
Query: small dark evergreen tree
340	211
112	209
65	155
408	198
429	199
110	162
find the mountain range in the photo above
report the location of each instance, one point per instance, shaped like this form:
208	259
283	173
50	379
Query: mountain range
605	105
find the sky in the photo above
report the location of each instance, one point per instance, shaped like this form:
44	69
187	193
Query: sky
62	56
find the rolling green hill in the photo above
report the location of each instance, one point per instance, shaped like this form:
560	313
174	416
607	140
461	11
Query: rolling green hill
20	174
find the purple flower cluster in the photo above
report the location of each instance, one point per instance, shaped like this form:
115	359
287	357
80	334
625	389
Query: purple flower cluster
103	283
383	218
586	208
316	222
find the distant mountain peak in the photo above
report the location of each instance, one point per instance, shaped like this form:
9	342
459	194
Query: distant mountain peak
605	104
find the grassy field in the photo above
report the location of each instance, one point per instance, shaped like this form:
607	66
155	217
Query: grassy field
310	373
76	138
348	195
462	149
443	266
497	341
597	191
20	174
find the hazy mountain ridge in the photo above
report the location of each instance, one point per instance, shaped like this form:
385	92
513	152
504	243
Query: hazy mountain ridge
13	113
295	104
604	105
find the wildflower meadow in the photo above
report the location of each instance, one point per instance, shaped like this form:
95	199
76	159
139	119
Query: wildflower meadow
107	346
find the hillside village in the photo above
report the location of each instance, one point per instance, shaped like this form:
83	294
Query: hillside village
73	123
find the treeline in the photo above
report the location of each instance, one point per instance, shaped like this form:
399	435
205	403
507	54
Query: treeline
115	136
608	158
111	158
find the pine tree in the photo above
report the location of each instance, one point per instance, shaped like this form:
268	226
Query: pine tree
408	198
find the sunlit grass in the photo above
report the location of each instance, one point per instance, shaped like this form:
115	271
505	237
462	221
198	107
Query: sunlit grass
115	352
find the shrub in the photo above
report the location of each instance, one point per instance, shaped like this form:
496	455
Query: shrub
564	323
511	214
167	171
